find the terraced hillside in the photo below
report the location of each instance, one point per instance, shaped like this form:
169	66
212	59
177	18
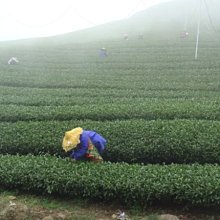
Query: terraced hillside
152	101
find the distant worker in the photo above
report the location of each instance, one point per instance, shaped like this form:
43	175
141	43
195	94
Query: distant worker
84	144
184	34
103	52
125	37
140	36
13	60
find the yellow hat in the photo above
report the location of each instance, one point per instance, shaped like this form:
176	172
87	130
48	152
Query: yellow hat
71	139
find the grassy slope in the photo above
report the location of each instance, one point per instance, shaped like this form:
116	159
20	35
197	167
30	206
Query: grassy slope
160	67
59	71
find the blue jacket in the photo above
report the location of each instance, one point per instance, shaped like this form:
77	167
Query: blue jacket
97	140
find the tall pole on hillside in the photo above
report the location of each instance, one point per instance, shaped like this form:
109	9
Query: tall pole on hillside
198	30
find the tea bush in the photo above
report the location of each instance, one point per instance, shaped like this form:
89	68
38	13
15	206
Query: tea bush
192	185
132	141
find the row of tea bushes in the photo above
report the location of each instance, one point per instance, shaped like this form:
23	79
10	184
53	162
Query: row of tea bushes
149	110
72	96
132	141
191	185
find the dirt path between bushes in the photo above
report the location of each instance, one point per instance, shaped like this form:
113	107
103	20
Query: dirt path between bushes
29	207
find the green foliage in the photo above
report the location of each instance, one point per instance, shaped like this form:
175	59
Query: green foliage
149	110
192	185
133	141
149	98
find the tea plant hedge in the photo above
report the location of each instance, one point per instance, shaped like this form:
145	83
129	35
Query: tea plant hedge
191	185
83	96
132	141
150	99
148	110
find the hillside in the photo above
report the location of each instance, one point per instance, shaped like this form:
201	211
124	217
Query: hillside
157	107
165	21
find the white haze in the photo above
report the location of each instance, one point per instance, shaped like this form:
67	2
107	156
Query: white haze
39	18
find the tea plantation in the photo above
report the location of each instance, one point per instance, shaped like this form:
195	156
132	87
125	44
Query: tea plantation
158	108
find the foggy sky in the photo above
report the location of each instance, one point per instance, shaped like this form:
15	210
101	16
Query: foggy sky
31	18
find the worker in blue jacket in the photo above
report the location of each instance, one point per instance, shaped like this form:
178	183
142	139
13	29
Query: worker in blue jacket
84	144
